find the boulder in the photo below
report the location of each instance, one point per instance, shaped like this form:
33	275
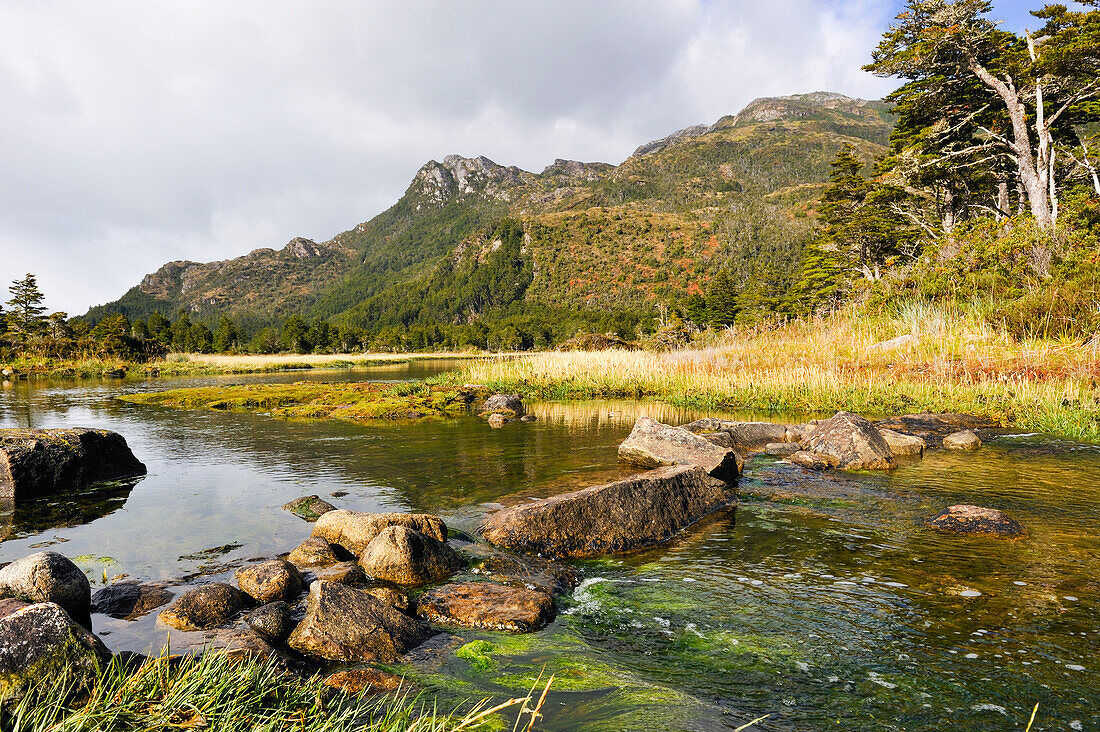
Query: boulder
810	460
313	552
346	573
40	462
41	645
932	428
404	556
853	442
535	573
356	681
272	621
269	581
652	444
353	530
903	445
504	403
48	577
240	643
497	420
390	596
745	435
782	448
309	508
129	600
721	439
344	624
977	521
10	605
203	607
962	440
487	605
641	511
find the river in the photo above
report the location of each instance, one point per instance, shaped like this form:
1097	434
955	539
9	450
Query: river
822	601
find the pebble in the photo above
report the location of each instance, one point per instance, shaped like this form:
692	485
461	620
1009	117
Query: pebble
970	593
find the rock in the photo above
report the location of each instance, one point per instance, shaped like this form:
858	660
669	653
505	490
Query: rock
240	643
313	552
38	462
903	445
266	582
528	418
204	607
895	343
391	597
962	440
487	605
404	556
976	520
10	605
747	435
652	444
353	530
497	420
309	508
721	439
932	428
40	645
48	577
345	624
534	573
346	573
272	621
853	441
356	681
782	448
641	511
129	600
504	403
811	460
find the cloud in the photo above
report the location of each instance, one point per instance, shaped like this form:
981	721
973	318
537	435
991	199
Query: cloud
134	133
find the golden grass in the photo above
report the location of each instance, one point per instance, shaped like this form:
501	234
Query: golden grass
312	360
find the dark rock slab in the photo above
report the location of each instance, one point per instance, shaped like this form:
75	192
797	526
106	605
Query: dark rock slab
42	462
744	435
353	530
853	441
504	403
272	622
652	444
407	557
524	570
48	577
276	579
309	508
130	600
204	607
487	605
638	512
976	521
345	624
782	448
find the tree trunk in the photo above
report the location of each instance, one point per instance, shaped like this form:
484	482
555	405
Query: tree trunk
1002	199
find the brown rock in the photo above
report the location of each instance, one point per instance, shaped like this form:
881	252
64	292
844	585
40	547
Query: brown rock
345	624
203	607
313	552
932	428
976	521
903	445
390	596
48	577
272	621
810	460
269	581
652	444
640	511
356	681
509	404
745	435
962	440
497	420
406	557
37	462
353	530
346	573
782	448
10	605
487	605
309	508
853	441
129	600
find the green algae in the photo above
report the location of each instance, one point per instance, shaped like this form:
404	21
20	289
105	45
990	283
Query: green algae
477	653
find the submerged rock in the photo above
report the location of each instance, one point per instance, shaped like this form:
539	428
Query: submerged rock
746	435
811	460
640	511
38	462
345	624
309	508
405	556
507	403
48	577
129	600
353	530
40	645
962	440
487	605
272	621
652	444
313	552
782	448
204	607
266	582
903	445
932	428
853	442
497	420
976	521
356	681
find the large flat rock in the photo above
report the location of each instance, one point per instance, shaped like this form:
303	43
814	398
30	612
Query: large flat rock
42	462
641	511
488	606
852	442
652	444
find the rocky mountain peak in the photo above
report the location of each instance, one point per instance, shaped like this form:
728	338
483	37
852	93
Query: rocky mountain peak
303	248
659	145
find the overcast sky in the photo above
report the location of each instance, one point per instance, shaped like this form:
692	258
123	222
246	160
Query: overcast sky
135	133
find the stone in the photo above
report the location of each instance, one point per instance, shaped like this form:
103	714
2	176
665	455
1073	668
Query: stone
313	552
276	579
504	403
48	577
962	440
487	606
641	511
782	448
346	573
976	521
652	444
344	624
528	418
721	439
933	427
353	530
40	645
535	573
746	435
9	605
129	600
903	445
390	596
356	681
42	462
853	442
272	621
203	607
240	643
497	420
810	460
309	508
404	556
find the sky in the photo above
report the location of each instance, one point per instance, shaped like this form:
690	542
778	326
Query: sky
141	132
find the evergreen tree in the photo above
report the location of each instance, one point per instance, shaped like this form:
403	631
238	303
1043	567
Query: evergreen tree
226	337
295	335
25	321
722	307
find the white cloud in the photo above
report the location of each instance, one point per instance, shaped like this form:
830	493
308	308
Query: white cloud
134	133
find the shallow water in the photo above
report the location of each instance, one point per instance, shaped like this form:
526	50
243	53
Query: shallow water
821	602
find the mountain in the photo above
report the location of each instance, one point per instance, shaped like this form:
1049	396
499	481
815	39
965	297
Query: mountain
586	240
